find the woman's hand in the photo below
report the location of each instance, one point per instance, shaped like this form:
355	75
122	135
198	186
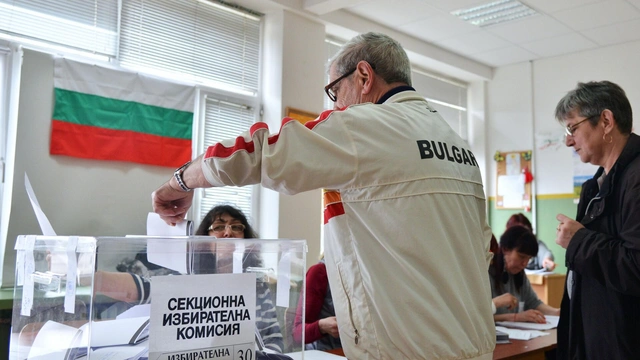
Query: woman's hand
548	264
531	315
329	325
505	300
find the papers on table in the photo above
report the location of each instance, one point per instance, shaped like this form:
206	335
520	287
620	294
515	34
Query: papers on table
552	322
538	272
515	334
526	330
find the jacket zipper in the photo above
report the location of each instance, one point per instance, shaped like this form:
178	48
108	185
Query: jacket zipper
350	309
589	205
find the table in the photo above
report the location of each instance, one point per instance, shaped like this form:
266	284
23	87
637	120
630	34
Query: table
533	349
548	287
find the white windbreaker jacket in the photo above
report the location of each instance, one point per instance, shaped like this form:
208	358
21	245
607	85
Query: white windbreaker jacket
406	234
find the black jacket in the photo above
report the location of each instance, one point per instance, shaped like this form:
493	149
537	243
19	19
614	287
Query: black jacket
602	319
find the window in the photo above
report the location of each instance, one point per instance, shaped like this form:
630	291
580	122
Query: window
447	96
332	47
4	114
204	42
89	25
224	120
210	44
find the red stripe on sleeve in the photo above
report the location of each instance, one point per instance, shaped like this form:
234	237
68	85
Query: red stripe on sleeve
332	210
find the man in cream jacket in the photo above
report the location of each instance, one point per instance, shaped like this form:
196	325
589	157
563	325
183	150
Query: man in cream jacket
406	234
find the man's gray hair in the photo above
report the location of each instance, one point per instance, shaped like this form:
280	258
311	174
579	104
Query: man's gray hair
383	53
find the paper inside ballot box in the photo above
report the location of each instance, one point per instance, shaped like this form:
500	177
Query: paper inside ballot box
55	340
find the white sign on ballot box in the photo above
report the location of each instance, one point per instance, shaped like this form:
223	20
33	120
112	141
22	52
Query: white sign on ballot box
203	316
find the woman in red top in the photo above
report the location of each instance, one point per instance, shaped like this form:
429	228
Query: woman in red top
320	328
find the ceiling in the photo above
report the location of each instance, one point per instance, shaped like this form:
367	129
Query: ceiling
439	41
562	27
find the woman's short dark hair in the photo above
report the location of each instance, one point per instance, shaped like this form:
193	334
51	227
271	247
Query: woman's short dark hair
520	239
519	219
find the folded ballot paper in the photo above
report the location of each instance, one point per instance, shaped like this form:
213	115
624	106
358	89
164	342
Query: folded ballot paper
109	339
552	322
517	334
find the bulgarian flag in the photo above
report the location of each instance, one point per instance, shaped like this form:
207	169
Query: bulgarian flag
108	114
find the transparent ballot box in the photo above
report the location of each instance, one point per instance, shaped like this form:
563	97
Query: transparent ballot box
156	298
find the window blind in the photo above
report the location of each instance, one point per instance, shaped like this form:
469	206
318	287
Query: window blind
331	48
224	120
89	25
447	96
200	39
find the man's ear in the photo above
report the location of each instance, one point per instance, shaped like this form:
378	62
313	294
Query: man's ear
366	76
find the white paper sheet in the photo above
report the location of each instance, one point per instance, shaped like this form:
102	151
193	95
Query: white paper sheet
284	280
168	254
45	225
511	185
552	322
53	340
114	332
72	272
515	334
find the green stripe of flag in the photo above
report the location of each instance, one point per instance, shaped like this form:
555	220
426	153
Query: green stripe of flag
93	110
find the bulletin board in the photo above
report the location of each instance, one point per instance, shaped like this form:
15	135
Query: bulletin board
513	180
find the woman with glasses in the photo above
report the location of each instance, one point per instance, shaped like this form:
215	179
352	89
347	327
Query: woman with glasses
226	221
601	303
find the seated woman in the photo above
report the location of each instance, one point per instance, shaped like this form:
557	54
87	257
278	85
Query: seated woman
544	258
506	274
320	327
223	221
505	300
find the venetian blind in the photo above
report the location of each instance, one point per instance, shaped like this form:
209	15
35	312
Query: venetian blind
224	120
198	39
88	25
447	96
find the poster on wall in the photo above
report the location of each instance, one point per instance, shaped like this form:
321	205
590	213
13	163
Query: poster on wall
581	173
549	141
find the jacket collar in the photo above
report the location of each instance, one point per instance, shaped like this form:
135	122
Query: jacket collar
394	91
630	151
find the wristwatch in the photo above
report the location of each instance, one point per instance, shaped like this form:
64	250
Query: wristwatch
178	176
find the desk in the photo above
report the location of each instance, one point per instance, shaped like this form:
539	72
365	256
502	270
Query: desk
548	287
533	349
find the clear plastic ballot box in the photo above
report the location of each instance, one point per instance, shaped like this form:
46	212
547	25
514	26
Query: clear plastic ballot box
172	298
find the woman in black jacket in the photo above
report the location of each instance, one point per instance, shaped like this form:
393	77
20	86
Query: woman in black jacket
600	311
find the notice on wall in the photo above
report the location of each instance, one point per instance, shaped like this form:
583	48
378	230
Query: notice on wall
203	317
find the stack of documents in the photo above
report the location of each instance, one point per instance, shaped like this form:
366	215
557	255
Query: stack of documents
521	334
526	330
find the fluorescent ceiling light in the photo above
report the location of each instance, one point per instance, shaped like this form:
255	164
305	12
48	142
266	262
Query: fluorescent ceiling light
495	12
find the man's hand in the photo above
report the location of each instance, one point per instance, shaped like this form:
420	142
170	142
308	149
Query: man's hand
170	203
566	229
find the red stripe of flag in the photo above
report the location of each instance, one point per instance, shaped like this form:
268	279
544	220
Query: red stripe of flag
91	142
